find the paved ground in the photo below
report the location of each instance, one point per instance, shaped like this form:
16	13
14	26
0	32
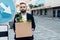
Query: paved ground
46	29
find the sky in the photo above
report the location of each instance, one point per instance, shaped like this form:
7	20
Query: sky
36	2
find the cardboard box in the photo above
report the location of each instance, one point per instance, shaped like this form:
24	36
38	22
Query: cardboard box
23	29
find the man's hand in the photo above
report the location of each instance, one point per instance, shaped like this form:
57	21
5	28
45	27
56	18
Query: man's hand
33	29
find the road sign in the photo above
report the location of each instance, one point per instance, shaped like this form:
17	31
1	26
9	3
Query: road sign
7	10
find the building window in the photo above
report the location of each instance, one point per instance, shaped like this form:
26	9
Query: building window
40	12
58	13
54	13
45	12
32	12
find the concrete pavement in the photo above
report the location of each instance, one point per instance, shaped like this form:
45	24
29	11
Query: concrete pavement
46	29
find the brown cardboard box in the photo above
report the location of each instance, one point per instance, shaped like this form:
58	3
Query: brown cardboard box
23	29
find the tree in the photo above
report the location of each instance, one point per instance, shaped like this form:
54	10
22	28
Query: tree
34	6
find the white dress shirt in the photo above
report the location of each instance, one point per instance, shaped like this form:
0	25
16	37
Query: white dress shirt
24	16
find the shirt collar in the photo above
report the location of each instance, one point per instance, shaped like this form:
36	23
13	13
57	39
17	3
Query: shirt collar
24	14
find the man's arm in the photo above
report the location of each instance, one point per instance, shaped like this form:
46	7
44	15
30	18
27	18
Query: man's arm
33	23
14	22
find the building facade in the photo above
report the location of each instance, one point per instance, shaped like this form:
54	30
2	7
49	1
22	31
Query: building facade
52	3
51	8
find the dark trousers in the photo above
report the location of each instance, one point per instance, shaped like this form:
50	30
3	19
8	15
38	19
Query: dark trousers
25	38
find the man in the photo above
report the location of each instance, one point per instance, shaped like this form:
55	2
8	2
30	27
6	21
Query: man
26	16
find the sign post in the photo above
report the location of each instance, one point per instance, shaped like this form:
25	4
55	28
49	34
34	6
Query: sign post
4	32
7	12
